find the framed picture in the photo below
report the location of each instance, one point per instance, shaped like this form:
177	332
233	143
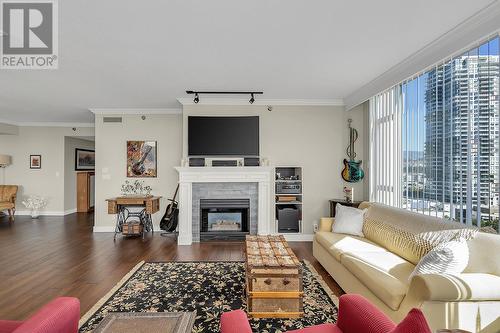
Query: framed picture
84	159
35	161
141	159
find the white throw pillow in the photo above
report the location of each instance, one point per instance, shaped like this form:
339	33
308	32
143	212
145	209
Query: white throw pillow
348	220
447	258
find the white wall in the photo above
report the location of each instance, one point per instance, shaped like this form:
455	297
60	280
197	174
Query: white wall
111	168
70	144
47	181
8	129
313	137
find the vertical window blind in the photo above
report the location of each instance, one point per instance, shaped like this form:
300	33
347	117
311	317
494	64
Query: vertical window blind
435	140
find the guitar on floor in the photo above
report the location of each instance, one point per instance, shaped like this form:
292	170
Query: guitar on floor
170	220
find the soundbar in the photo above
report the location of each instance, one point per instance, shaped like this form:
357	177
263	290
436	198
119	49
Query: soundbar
224	163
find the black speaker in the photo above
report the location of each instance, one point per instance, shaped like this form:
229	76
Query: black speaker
251	161
196	162
224	163
288	219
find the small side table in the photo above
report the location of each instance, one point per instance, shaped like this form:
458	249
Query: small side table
334	202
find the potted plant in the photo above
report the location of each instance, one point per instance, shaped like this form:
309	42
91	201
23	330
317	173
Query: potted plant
35	203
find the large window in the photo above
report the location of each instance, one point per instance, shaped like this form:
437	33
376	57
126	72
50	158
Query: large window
435	140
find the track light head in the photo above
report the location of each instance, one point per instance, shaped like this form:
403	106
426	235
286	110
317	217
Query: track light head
252	99
196	98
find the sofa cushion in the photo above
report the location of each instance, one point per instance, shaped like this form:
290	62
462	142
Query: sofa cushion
457	287
384	273
338	244
409	234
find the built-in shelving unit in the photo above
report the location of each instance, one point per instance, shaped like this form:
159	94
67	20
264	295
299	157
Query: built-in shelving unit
288	199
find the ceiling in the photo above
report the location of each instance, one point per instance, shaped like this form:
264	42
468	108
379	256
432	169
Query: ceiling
145	54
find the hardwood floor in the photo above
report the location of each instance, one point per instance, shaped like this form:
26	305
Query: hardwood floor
60	256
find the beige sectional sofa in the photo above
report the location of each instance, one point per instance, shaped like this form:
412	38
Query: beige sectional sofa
379	268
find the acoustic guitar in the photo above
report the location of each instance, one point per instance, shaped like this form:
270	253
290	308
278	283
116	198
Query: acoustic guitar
169	221
352	171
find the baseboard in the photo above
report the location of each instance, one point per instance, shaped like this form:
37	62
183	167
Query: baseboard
104	229
299	237
46	212
42	213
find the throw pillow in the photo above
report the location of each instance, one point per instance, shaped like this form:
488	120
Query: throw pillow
447	258
414	322
348	220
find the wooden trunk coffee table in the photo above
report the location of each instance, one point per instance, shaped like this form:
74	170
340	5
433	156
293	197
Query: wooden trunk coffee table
273	278
147	322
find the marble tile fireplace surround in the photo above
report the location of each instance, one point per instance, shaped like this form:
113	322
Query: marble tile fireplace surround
201	183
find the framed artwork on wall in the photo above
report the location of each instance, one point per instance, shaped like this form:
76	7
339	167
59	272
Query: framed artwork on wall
141	159
84	159
35	161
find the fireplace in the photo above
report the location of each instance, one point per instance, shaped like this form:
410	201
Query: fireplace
224	219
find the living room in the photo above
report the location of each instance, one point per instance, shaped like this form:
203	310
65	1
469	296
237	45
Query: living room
239	167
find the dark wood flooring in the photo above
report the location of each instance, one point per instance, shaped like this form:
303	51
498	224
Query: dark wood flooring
60	256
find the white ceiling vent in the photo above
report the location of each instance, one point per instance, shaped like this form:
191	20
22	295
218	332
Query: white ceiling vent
112	119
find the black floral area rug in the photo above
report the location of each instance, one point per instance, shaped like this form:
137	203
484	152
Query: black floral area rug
210	288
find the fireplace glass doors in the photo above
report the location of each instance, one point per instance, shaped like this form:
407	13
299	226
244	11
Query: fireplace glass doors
224	219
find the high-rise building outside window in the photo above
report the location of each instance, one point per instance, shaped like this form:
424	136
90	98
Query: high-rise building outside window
440	133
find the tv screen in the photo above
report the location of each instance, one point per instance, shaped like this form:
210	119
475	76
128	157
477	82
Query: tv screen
223	136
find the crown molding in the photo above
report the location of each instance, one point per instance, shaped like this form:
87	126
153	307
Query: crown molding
44	124
467	34
134	111
262	102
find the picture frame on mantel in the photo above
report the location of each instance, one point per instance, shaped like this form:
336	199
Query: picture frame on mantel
35	161
84	159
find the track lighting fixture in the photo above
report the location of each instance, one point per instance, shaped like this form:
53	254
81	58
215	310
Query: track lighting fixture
196	99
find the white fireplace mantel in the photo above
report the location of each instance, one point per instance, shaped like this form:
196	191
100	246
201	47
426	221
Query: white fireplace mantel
189	175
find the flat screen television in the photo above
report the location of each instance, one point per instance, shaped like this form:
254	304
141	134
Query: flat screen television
223	136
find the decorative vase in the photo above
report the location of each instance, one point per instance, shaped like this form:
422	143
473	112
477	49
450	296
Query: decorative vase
35	213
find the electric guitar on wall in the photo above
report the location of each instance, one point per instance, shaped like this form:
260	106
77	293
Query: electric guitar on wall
352	171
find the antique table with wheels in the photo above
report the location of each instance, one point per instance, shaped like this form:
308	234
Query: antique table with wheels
120	206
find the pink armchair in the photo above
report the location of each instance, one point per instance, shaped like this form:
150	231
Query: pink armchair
356	315
59	316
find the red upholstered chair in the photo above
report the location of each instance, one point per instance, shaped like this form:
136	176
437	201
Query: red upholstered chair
59	316
356	315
